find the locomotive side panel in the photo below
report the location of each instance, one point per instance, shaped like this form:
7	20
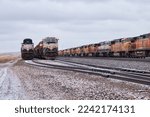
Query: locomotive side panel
72	51
38	50
85	50
91	49
126	47
116	47
77	51
143	46
105	49
96	49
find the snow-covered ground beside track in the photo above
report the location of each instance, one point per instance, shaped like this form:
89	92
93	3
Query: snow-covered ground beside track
10	86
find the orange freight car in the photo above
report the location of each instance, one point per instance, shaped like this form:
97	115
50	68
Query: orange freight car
67	52
92	50
77	51
72	51
116	47
143	46
126	47
85	50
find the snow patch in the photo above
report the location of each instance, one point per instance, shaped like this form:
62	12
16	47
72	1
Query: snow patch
10	86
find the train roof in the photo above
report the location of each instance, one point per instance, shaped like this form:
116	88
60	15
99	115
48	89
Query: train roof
50	39
145	35
27	41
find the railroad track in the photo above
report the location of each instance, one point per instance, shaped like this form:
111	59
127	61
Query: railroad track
107	67
147	59
138	76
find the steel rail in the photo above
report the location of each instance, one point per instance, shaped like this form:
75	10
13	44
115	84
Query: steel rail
107	67
147	59
132	77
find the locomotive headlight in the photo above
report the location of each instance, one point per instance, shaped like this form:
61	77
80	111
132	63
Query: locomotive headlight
48	49
30	50
55	49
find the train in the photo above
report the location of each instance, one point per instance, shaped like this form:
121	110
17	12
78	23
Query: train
132	47
27	49
47	49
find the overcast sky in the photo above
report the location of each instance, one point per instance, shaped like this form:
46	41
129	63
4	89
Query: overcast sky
74	22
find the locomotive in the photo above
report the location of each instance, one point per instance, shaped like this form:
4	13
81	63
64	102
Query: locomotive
133	47
27	49
47	48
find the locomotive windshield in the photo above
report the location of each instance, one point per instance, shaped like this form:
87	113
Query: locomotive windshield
27	41
49	40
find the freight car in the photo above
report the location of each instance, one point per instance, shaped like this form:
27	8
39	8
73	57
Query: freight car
47	48
27	49
116	47
132	47
142	44
104	49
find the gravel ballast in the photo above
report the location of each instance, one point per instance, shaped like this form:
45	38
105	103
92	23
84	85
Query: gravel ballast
48	83
139	65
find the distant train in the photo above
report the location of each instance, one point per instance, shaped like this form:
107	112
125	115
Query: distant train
138	47
47	48
27	49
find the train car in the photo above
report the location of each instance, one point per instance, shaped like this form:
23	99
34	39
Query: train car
143	46
71	51
81	53
77	51
91	49
138	46
67	52
47	48
116	48
128	47
27	49
85	50
64	53
105	49
38	50
60	53
97	49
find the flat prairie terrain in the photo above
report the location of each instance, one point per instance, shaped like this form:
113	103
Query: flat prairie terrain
4	58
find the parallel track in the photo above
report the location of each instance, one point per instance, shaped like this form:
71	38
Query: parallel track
107	67
142	77
113	58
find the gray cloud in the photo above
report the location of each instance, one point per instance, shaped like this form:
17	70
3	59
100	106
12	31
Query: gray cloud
75	22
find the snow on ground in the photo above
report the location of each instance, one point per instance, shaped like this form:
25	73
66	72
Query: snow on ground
52	62
10	86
